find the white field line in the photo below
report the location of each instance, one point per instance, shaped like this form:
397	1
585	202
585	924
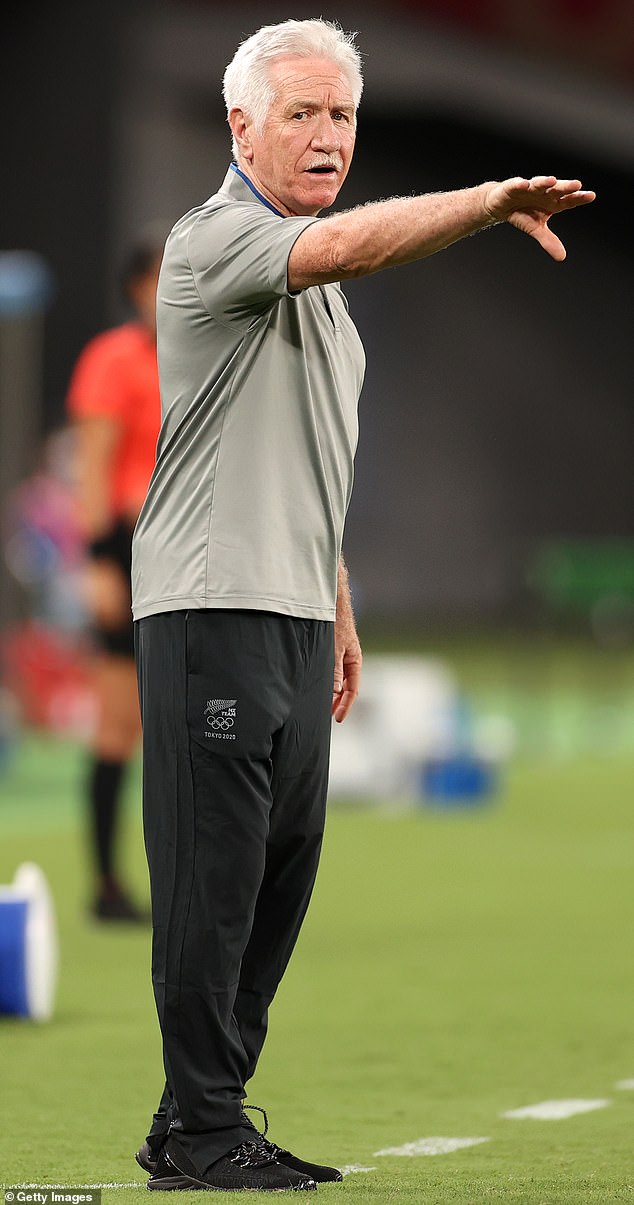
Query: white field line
546	1110
556	1110
431	1146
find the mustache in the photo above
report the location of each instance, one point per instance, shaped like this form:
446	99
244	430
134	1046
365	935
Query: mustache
335	160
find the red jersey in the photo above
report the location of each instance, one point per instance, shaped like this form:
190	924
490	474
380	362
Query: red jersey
116	376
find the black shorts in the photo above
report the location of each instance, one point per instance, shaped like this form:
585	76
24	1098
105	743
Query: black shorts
117	548
118	641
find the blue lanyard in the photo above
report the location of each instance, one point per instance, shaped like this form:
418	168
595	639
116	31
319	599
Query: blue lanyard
234	167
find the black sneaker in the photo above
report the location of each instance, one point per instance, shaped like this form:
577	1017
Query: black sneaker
317	1171
145	1158
321	1173
247	1166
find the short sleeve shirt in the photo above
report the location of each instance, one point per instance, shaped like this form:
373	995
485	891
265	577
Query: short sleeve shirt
260	388
116	377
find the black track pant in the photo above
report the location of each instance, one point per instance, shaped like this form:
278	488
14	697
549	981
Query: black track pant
236	739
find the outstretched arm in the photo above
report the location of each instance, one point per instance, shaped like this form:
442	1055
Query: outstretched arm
385	234
348	655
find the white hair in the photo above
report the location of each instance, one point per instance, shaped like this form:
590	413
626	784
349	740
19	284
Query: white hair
247	84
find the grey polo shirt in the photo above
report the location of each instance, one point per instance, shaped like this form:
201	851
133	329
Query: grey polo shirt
259	393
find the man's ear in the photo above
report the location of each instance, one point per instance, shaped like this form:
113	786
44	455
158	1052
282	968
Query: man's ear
241	130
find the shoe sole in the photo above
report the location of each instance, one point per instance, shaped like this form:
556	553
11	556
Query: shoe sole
184	1184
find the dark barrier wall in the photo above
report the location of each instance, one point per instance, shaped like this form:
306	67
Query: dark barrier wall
497	409
57	83
498	406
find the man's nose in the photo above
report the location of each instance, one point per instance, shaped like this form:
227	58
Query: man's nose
326	136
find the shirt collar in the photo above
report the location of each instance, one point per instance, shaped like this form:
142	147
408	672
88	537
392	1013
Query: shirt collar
237	184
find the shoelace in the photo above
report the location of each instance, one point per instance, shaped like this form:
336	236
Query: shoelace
251	1154
271	1147
257	1109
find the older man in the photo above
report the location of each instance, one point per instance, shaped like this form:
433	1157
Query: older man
240	595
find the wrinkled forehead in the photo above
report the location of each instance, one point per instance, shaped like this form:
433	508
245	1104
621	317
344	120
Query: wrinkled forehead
295	78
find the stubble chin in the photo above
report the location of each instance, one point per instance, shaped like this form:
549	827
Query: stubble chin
323	199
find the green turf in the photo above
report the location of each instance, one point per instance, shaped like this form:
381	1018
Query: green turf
452	966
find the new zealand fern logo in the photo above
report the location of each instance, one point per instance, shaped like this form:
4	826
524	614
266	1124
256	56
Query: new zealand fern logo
220	715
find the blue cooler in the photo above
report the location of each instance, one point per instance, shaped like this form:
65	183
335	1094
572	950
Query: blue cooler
458	780
28	946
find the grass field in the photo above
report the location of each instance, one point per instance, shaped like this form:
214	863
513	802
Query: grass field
453	966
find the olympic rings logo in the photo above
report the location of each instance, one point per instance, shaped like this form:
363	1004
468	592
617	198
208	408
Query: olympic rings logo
221	723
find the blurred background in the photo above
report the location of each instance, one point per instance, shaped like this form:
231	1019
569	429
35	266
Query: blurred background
494	498
490	543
